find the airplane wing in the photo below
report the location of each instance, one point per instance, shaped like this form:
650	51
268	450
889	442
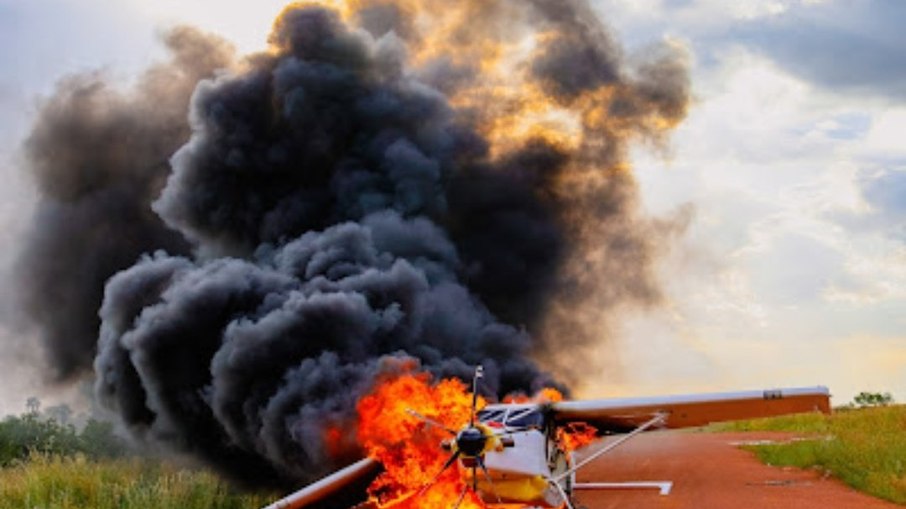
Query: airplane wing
329	486
683	411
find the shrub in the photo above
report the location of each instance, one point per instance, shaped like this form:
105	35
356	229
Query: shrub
29	433
869	399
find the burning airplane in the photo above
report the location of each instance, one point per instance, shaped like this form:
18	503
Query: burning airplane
436	449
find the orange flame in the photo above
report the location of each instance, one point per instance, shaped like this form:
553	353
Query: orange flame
409	448
576	435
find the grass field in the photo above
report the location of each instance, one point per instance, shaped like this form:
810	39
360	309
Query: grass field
865	448
54	482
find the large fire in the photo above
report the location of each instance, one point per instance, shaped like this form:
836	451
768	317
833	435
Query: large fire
407	447
410	449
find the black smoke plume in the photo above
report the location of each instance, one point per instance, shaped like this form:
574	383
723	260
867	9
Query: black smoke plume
336	208
98	158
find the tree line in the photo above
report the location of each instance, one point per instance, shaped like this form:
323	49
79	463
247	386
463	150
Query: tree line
52	432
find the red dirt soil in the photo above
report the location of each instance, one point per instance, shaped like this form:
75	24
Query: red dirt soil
710	471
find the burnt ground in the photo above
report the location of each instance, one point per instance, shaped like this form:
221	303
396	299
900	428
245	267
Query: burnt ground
710	471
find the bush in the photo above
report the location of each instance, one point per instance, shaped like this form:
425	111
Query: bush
97	440
869	399
27	434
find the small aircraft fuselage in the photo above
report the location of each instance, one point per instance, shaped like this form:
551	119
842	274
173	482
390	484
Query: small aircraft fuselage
520	472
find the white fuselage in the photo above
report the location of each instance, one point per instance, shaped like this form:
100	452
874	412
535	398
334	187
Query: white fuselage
527	457
521	472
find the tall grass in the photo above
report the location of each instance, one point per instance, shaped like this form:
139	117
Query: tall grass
54	482
865	448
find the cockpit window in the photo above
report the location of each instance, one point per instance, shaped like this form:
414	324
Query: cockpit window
513	417
530	417
491	415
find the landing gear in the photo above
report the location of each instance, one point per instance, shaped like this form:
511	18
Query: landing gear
563	477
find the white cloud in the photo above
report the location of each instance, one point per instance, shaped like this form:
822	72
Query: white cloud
695	15
887	136
778	269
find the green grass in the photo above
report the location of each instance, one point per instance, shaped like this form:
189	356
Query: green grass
54	482
865	448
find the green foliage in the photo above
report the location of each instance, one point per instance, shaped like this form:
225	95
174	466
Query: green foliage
22	436
865	448
868	399
79	483
19	436
97	440
45	462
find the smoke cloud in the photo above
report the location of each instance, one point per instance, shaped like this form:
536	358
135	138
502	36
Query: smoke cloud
98	158
391	184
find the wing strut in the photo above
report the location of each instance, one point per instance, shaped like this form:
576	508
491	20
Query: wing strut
555	481
657	419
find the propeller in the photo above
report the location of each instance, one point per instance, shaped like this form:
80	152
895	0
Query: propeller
487	475
428	420
469	443
452	459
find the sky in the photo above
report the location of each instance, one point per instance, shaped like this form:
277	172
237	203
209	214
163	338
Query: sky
791	166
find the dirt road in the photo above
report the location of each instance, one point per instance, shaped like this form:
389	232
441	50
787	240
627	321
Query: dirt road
709	471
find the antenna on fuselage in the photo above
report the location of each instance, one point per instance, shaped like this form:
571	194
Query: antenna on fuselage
479	373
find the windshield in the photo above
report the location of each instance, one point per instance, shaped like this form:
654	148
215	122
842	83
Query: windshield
513	417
